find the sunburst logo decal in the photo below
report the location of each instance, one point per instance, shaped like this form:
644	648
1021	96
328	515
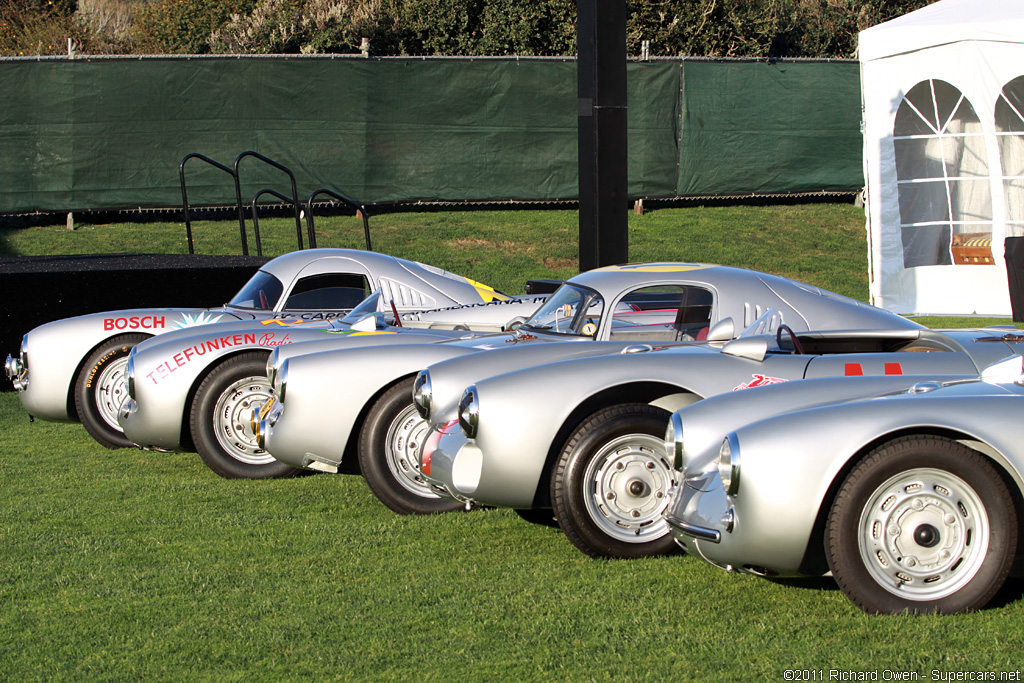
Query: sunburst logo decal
203	318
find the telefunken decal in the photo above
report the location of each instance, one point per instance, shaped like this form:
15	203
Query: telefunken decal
178	360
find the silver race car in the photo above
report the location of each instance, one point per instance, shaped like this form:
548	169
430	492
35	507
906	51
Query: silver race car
584	436
912	500
196	389
335	408
73	369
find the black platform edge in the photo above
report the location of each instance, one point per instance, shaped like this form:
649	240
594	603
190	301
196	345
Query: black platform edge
39	289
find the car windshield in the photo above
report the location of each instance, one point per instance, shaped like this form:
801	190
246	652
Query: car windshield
571	310
261	292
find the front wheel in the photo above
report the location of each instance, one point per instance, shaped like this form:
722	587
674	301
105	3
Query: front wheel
221	420
389	450
101	389
611	483
922	524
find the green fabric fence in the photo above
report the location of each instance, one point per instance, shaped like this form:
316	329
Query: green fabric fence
109	132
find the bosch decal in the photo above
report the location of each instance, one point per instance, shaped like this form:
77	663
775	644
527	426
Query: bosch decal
135	322
760	381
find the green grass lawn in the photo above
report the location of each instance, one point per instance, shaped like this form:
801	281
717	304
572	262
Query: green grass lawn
130	565
134	565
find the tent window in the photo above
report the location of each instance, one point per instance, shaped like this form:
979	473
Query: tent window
1009	116
942	173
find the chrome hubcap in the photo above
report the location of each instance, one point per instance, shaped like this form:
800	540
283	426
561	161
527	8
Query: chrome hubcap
629	481
923	534
402	450
111	391
232	421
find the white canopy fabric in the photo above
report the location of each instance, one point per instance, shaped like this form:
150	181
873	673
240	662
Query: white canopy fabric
943	97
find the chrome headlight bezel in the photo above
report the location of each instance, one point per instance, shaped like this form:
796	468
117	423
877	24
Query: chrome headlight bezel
16	369
469	411
422	394
674	450
729	464
272	361
130	374
280	382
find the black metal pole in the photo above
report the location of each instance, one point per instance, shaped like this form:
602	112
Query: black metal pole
601	87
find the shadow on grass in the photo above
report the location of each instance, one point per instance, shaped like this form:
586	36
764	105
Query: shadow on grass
818	583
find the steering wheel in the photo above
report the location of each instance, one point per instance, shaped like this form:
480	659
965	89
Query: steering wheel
797	346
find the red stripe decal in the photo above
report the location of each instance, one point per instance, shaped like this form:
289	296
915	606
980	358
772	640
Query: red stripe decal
854	370
893	369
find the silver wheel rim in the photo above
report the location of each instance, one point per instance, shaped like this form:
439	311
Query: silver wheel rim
111	391
923	534
232	420
402	450
628	482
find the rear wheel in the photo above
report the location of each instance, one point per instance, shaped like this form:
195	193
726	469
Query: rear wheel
611	484
101	389
221	420
923	524
389	455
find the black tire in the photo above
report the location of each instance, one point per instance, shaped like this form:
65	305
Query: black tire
101	389
963	525
611	483
389	445
220	420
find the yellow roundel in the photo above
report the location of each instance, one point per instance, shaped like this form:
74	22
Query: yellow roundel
589	329
487	293
658	267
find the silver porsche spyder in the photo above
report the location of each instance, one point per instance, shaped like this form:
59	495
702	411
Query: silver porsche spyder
335	408
584	436
74	369
912	500
196	390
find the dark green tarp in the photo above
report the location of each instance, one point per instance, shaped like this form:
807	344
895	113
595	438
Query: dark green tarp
100	133
766	127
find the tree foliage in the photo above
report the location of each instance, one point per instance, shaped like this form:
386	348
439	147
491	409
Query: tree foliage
715	28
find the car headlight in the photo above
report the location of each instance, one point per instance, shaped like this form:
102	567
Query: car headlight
422	394
17	368
130	373
674	443
469	412
272	361
280	383
729	464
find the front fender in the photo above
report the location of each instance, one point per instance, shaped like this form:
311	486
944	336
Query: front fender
57	350
167	374
329	392
786	481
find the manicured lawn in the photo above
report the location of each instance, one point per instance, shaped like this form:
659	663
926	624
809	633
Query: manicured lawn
129	565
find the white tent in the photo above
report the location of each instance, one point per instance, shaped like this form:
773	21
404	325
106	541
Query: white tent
943	95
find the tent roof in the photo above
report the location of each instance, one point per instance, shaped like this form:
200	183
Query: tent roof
946	21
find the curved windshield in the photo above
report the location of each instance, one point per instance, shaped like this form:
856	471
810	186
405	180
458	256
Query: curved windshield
261	292
571	310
